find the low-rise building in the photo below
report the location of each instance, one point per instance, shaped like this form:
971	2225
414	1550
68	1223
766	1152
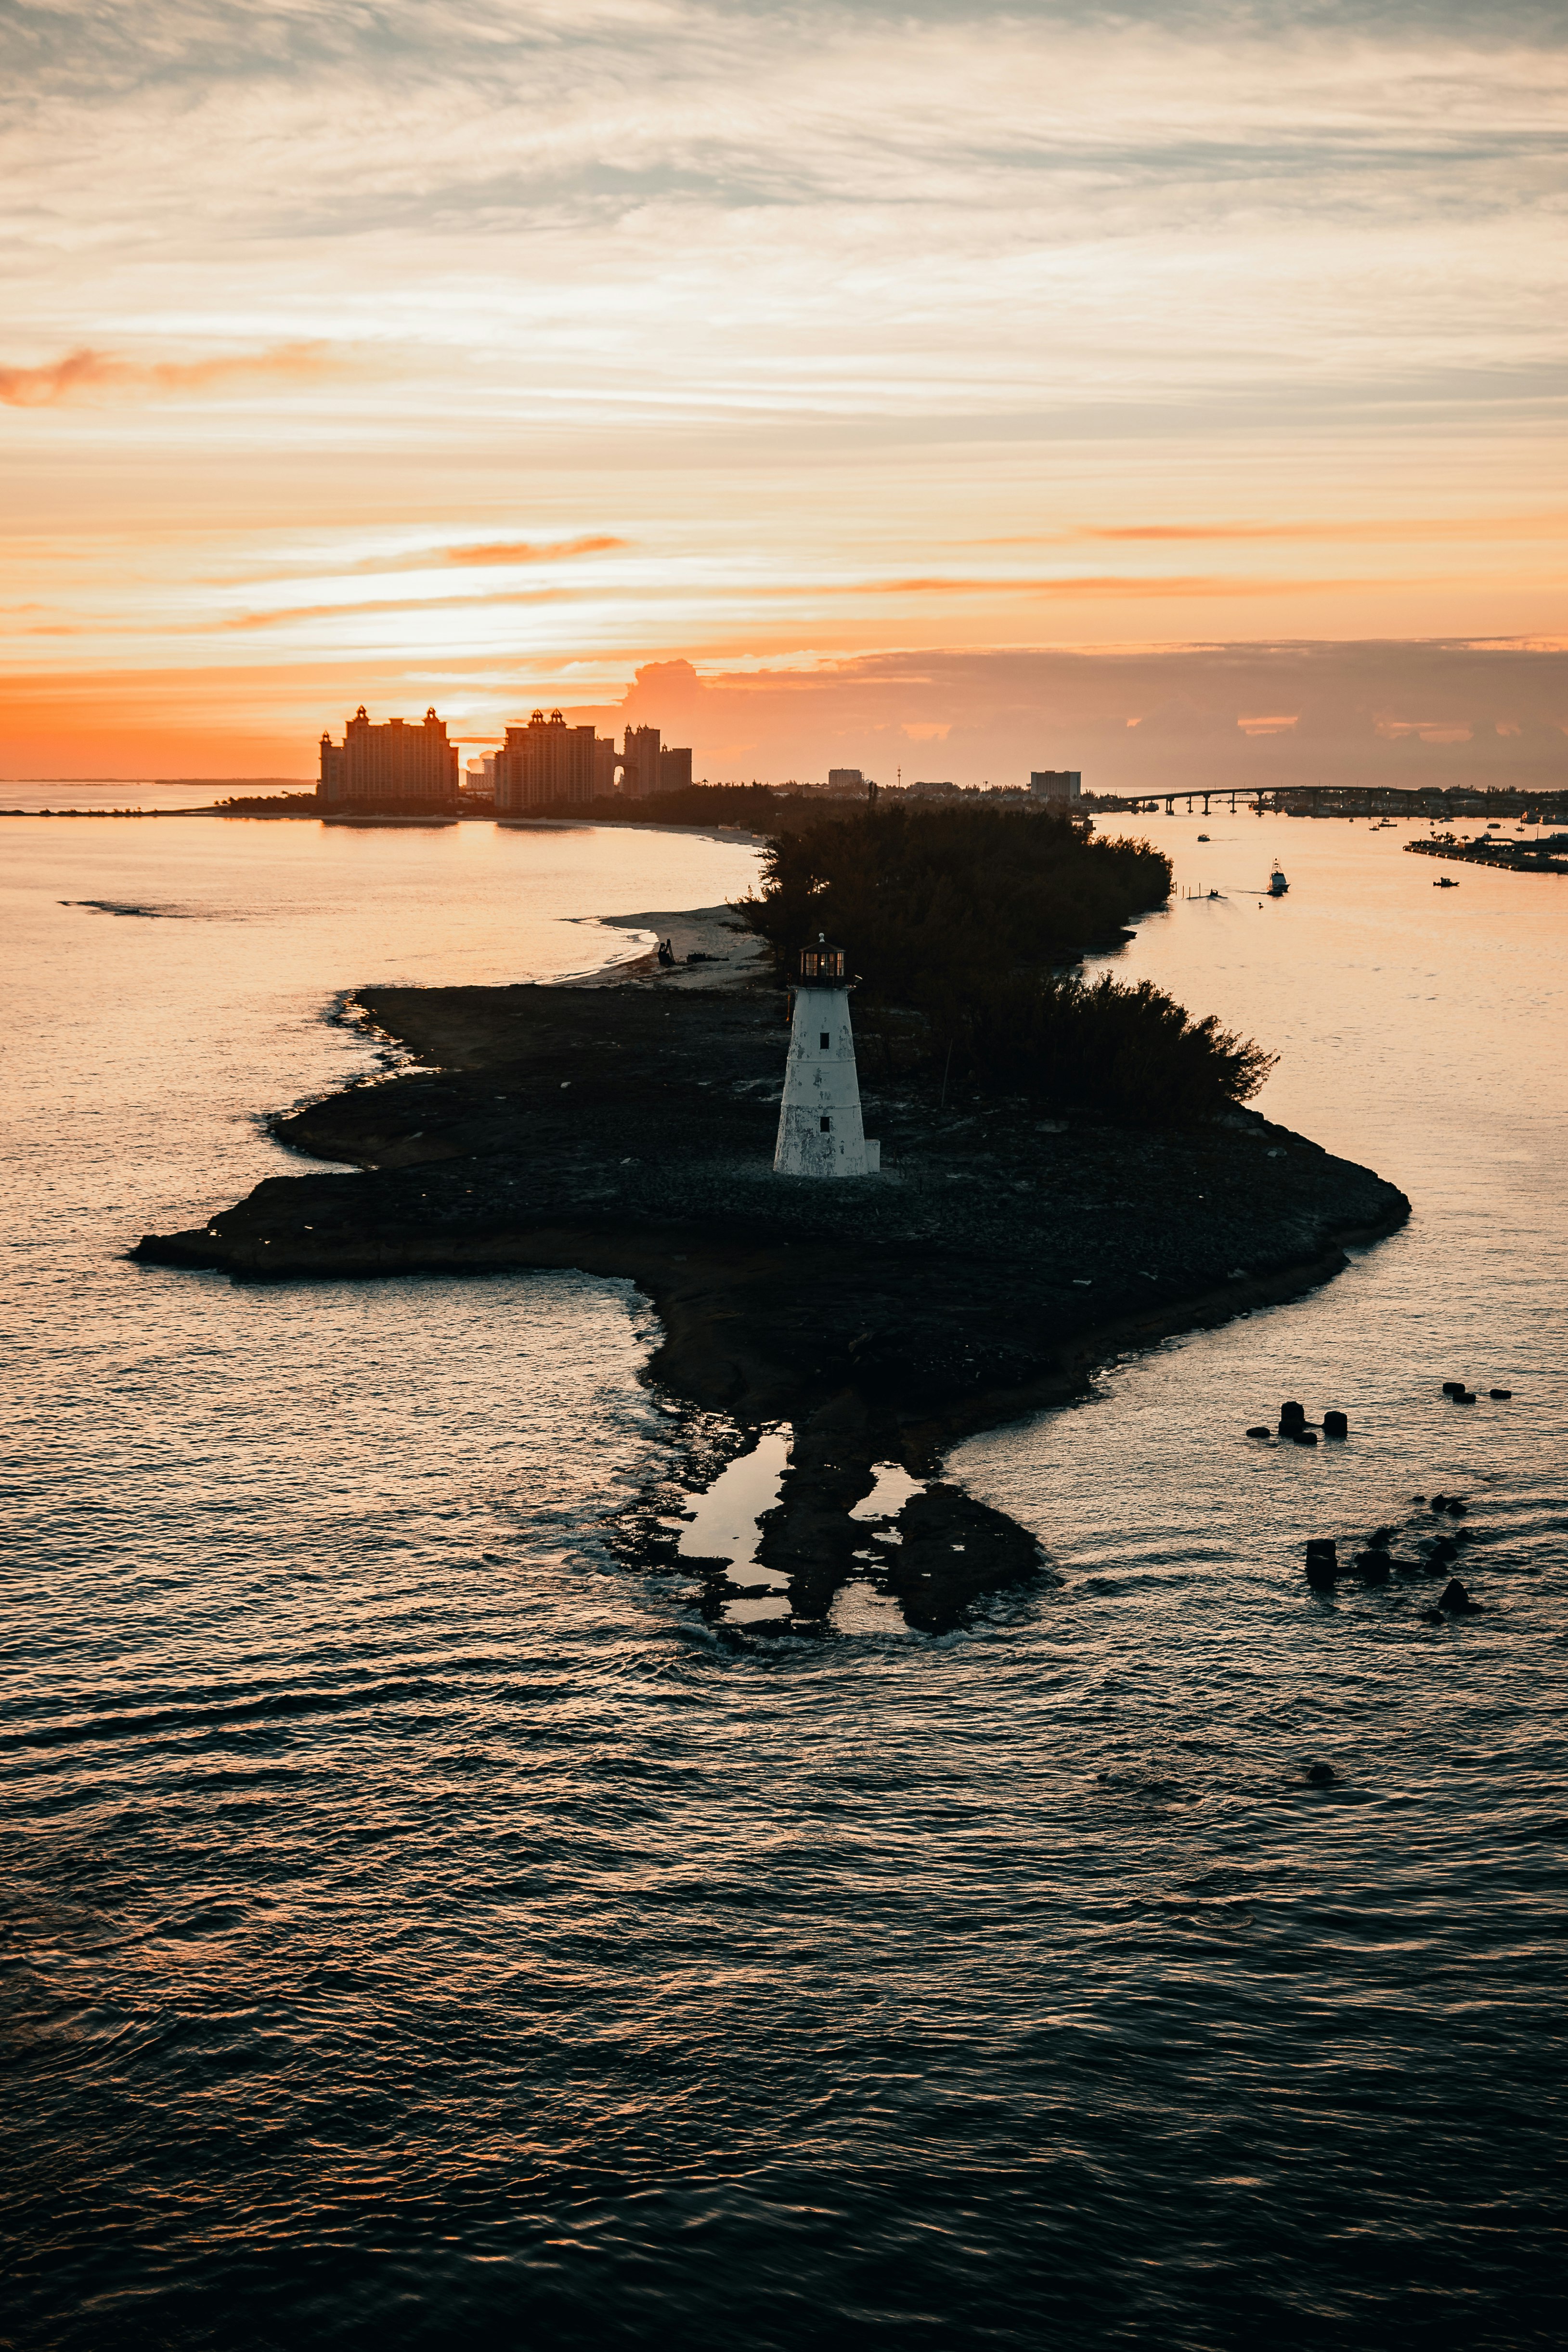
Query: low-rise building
1064	784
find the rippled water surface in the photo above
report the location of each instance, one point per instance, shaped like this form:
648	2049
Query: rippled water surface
421	1931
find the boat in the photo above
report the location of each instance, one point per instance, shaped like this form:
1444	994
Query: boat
1445	882
1278	886
1203	836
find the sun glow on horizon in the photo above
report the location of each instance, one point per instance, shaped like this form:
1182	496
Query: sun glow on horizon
530	353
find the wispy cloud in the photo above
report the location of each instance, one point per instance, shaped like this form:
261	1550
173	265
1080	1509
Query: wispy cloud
1094	588
1351	529
85	375
286	614
1345	530
1093	585
523	551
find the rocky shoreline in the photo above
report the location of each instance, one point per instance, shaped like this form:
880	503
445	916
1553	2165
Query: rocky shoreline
628	1129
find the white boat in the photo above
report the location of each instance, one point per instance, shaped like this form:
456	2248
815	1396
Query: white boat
1278	886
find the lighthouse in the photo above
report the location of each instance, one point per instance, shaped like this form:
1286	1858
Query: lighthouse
819	1130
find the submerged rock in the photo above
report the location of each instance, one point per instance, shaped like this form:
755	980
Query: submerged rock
1323	1562
1323	1776
1456	1600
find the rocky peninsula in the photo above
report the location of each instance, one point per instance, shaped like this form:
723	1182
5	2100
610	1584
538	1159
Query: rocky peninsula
627	1129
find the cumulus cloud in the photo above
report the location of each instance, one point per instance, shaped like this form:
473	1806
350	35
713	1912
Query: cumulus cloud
1494	714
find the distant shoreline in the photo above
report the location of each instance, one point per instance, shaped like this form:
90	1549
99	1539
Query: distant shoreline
715	831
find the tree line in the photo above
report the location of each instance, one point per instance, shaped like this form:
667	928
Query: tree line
963	928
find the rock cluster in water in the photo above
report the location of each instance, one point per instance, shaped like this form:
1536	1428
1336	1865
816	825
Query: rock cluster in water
1375	1562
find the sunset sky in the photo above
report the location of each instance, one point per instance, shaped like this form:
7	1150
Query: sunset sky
1157	391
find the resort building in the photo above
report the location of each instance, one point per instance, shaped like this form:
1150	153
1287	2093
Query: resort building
648	766
544	763
390	765
1063	784
640	763
549	764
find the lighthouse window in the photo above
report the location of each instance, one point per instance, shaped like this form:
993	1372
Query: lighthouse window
825	1041
827	1127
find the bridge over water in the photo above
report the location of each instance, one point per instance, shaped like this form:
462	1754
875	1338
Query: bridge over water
1341	799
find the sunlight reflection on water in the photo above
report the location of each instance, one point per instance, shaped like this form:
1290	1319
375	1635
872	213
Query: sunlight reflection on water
423	1930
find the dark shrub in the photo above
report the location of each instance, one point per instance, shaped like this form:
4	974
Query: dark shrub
1129	1050
968	917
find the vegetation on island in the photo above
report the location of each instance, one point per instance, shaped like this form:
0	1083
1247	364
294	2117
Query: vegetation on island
751	808
304	803
969	920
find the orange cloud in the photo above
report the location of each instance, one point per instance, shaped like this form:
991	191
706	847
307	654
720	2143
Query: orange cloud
1412	527
397	605
1551	525
87	375
1124	587
1097	584
1430	730
525	551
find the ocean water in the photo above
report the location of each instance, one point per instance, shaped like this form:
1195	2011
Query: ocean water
421	1931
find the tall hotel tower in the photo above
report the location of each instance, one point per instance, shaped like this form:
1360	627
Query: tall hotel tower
385	765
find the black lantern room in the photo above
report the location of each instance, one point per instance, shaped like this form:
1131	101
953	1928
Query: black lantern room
821	966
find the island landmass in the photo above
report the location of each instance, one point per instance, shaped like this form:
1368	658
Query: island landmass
624	1126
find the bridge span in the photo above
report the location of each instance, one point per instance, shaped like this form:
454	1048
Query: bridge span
1340	800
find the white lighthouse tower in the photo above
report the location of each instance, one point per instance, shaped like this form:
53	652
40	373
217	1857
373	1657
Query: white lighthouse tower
819	1130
